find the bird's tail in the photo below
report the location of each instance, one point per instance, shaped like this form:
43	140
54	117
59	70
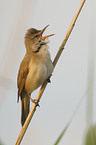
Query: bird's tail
25	107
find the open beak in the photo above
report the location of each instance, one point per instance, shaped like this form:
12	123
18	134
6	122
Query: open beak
42	31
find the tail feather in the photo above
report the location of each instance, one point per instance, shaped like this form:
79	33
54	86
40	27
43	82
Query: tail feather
25	108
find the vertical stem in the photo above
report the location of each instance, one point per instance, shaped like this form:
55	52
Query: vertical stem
45	84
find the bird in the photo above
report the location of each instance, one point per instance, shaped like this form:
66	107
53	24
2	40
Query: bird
35	68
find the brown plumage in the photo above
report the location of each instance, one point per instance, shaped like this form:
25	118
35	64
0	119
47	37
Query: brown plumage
35	68
25	100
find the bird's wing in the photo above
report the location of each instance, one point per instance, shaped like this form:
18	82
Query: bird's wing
23	71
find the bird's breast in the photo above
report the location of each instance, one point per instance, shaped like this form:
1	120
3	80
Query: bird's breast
40	68
38	73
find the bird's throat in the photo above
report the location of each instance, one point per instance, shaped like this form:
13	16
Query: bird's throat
41	45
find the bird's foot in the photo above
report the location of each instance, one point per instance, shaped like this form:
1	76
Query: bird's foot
48	80
35	101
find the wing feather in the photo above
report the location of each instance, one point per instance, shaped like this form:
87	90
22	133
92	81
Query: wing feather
23	71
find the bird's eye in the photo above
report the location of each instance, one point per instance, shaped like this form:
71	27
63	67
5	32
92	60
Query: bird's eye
36	35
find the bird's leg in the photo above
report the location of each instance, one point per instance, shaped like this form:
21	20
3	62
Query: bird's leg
33	100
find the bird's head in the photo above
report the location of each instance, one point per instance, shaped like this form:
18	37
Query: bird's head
34	39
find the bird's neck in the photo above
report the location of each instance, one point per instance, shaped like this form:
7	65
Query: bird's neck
37	47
